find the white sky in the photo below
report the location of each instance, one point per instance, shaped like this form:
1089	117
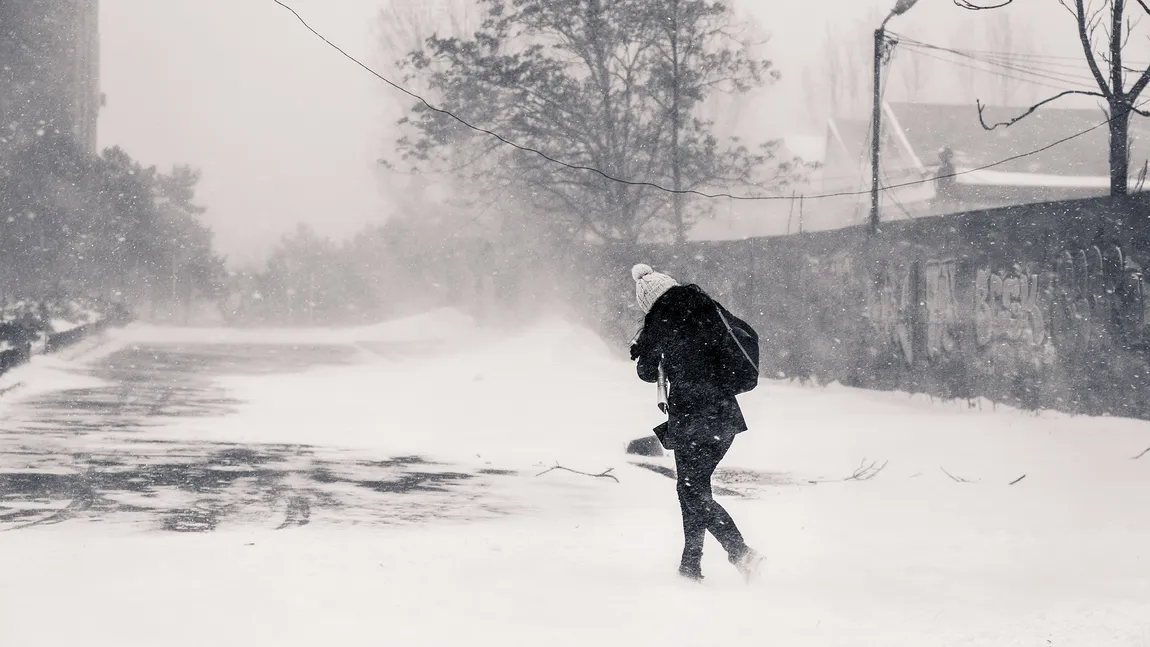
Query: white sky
286	131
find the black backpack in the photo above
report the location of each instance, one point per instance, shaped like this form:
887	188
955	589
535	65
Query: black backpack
739	354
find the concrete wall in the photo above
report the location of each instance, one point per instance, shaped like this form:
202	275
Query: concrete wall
1039	306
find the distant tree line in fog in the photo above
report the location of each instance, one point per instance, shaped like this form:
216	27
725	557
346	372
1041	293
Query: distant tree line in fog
72	223
407	265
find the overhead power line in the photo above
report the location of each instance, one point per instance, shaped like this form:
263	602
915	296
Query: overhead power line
1003	75
653	185
1045	65
526	149
1024	68
966	4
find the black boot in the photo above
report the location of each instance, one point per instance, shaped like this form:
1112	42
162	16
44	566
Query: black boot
693	573
748	562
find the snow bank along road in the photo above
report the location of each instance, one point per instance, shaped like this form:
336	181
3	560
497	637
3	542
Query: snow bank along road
379	486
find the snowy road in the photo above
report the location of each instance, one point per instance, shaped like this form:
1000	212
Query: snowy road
380	487
98	453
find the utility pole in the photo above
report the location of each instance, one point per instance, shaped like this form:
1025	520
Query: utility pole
900	7
876	125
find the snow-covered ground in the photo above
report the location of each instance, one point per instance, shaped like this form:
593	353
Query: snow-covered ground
911	556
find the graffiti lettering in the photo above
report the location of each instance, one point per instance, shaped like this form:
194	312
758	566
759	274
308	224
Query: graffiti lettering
1006	308
941	308
889	308
1099	294
1131	303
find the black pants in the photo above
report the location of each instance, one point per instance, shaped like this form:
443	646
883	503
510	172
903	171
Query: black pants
695	463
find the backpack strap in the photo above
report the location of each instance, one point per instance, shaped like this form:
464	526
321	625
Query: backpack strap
737	342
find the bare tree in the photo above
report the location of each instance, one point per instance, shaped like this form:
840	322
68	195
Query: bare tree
1000	36
1008	41
841	80
602	85
405	25
967	74
696	52
1108	17
915	76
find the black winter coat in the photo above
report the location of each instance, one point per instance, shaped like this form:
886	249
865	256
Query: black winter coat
683	329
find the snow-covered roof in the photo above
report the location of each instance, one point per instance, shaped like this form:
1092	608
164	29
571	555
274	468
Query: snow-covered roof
1007	178
929	128
916	133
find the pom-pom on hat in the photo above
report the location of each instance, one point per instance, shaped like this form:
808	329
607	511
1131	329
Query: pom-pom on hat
650	285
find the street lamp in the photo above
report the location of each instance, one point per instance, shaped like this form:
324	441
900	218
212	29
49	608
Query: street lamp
900	7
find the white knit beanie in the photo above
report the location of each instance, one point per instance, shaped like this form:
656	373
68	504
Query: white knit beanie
650	285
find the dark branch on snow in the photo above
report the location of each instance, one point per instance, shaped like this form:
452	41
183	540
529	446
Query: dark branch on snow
956	479
866	472
603	475
1018	479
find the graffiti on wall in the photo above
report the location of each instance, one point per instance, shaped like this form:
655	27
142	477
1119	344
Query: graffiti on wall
940	300
892	301
1087	300
889	308
1133	320
1082	296
1007	307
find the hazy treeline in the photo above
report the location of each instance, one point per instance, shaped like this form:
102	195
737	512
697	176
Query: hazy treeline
77	224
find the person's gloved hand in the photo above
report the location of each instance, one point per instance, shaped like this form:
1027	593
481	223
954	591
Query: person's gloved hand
634	352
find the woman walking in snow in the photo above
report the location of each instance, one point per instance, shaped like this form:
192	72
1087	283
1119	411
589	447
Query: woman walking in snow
680	337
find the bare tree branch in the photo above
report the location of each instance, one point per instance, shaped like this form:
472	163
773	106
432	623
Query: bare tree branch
1026	114
1018	479
1131	25
1139	85
863	473
1106	59
1068	8
1117	80
1142	454
603	475
866	472
1088	50
966	4
956	479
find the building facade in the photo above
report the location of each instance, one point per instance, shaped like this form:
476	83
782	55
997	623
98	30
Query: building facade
49	71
